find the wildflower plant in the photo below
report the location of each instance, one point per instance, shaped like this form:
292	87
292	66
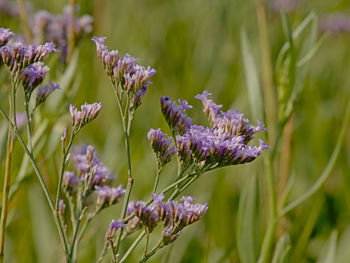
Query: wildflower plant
86	186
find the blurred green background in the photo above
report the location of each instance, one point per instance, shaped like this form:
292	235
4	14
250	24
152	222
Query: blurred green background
193	45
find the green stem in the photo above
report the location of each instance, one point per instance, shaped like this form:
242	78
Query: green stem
152	252
147	242
63	166
42	184
159	169
29	127
7	181
133	245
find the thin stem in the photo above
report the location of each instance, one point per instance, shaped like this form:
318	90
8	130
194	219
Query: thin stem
42	184
63	166
7	181
152	252
147	242
133	245
159	169
71	40
103	252
29	128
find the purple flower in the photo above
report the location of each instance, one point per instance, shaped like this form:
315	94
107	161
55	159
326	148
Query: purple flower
136	101
18	56
44	92
147	215
107	196
87	114
113	229
5	36
56	28
124	66
211	110
61	207
133	223
285	5
21	118
175	115
87	163
70	182
32	76
161	146
335	23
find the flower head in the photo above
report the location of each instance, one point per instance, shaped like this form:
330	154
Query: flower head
32	76
88	164
175	115
87	114
18	56
147	215
44	92
70	182
161	146
5	36
113	229
107	196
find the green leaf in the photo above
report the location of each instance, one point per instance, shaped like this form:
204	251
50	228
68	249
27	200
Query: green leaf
247	222
282	250
329	253
252	78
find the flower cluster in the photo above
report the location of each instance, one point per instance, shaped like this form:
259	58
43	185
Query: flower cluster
18	56
124	72
107	196
113	229
94	176
223	143
175	115
56	28
87	114
161	146
32	76
44	92
174	216
5	36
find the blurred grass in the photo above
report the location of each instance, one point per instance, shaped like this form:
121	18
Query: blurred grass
195	45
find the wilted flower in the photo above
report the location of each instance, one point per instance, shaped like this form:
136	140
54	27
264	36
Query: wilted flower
5	36
161	146
87	114
113	229
107	196
32	76
44	92
175	114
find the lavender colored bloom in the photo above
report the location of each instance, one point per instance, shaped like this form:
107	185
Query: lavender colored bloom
232	122
136	101
335	23
44	92
161	146
5	36
212	147
169	235
124	66
147	214
18	56
87	114
284	5
32	76
133	223
107	196
113	229
86	162
21	118
61	207
70	182
175	115
137	78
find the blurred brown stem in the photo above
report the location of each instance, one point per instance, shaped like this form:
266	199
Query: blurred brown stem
267	73
24	18
71	36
